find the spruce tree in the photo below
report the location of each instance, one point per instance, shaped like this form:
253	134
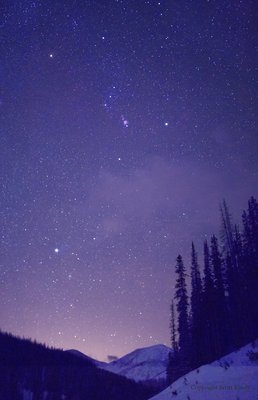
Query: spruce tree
196	308
227	229
217	264
208	309
173	362
235	291
173	329
250	267
182	309
208	278
253	228
221	324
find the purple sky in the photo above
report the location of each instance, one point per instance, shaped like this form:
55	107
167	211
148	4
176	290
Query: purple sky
124	124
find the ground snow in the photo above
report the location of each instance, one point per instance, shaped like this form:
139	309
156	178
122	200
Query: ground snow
233	377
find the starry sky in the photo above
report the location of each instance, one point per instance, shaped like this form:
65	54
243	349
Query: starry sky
124	123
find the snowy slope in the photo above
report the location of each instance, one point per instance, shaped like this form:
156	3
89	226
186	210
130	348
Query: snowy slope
142	364
233	377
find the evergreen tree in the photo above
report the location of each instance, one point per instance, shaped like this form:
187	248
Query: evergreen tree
253	222
208	309
232	246
227	229
182	305
253	229
196	325
217	264
232	291
182	309
173	362
235	292
208	278
220	322
250	267
173	329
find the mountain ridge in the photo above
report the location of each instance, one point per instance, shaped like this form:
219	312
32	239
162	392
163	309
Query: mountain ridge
142	364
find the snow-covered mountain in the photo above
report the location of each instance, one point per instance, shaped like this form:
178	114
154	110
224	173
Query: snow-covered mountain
143	364
232	377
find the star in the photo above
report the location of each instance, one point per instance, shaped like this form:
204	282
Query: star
106	153
125	122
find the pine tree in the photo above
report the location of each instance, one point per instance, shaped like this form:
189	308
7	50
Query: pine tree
208	309
235	293
196	308
221	324
217	265
253	222
182	310
250	267
253	228
173	329
232	303
231	241
208	279
173	362
227	229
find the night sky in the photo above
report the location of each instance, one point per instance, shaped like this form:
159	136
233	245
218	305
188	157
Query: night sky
124	124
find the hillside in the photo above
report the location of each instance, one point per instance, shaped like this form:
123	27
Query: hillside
233	377
29	370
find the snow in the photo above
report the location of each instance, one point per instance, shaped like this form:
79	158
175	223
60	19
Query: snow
233	377
27	395
142	364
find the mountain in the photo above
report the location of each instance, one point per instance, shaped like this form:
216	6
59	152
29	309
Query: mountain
231	377
29	370
145	364
83	356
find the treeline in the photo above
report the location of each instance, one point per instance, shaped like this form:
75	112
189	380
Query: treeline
29	370
221	312
15	351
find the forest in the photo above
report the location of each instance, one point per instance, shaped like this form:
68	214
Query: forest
34	371
221	312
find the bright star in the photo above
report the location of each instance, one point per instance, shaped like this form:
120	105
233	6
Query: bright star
166	123
51	55
56	250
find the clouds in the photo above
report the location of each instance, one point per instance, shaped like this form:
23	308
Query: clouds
155	191
161	199
111	358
